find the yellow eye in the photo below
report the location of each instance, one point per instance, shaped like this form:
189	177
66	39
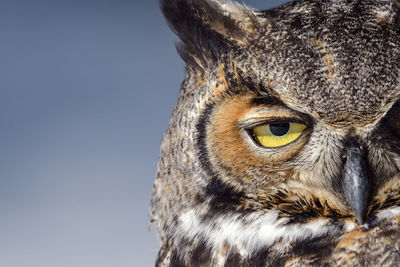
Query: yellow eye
278	134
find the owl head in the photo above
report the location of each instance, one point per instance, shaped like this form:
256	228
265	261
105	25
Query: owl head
286	130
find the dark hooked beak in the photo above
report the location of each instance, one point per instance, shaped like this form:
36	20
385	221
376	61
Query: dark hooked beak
356	181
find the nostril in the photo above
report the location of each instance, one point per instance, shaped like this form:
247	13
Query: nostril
343	157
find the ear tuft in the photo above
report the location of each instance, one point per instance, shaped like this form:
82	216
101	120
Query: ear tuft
208	26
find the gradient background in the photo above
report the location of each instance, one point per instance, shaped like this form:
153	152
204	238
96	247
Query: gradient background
86	91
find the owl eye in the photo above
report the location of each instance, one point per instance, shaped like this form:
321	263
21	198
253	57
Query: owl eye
278	133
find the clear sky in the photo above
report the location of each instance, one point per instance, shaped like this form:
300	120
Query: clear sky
86	90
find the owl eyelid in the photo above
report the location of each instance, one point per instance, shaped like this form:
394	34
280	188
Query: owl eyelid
250	123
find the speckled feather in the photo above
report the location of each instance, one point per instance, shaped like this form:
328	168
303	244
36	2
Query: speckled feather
219	199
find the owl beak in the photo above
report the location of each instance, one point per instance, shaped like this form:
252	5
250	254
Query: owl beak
356	181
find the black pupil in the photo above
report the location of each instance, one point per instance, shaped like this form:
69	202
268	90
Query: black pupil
279	129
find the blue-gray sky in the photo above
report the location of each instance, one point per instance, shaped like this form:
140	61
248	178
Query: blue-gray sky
86	91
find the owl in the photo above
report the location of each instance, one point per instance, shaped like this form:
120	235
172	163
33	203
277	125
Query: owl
284	145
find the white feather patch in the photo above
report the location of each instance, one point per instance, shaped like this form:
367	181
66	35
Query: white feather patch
251	232
387	214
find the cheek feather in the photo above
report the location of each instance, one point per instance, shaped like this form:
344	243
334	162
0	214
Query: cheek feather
224	134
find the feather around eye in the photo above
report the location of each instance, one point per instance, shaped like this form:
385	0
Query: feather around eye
278	134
